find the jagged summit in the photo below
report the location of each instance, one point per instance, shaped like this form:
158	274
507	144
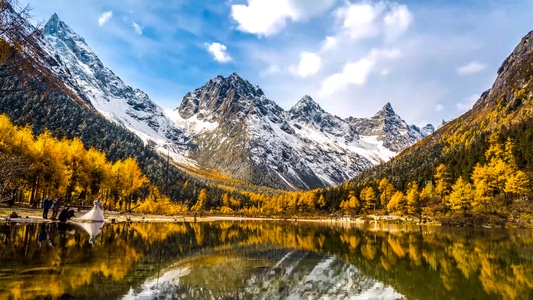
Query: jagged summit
386	112
306	106
307	101
306	146
219	97
54	22
242	86
56	27
71	48
390	129
80	69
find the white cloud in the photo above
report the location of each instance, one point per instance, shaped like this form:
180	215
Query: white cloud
471	68
397	21
268	17
309	65
219	52
356	73
379	54
329	43
137	28
359	19
367	20
352	73
467	104
439	107
262	17
105	17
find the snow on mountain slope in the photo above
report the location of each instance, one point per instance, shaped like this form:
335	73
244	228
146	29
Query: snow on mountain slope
305	147
79	68
390	129
230	125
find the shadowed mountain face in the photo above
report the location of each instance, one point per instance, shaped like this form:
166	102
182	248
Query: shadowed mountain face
230	125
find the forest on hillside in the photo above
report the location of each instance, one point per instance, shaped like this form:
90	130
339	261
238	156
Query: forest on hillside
44	166
475	171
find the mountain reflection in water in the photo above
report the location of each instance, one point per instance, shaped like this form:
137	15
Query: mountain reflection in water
259	275
262	260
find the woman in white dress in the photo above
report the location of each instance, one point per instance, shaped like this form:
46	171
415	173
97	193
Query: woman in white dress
95	214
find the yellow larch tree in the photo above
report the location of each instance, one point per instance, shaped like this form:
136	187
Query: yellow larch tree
386	190
443	182
201	201
462	196
368	196
413	199
133	178
99	173
500	178
518	184
350	206
397	203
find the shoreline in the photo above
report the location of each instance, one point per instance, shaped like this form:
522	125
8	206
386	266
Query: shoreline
30	215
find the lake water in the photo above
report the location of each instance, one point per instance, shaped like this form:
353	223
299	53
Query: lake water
262	260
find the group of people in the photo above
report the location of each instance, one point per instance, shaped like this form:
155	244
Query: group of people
54	204
95	214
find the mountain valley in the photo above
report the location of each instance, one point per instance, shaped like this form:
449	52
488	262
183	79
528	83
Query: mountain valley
229	125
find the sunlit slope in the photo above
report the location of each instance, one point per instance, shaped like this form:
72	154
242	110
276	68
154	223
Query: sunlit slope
503	111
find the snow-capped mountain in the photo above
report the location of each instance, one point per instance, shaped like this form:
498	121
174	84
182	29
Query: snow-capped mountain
230	125
73	61
390	129
238	130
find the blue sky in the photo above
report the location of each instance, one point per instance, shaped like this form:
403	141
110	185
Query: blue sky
430	59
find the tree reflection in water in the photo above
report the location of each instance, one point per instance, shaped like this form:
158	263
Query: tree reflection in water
253	260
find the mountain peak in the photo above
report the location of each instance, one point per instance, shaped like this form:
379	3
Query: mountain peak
306	107
242	86
307	98
386	112
307	103
234	76
55	25
221	96
54	18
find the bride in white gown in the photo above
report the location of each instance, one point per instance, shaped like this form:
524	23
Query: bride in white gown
95	214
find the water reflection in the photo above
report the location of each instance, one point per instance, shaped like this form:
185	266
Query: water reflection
262	260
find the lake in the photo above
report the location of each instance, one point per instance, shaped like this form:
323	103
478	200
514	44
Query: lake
262	260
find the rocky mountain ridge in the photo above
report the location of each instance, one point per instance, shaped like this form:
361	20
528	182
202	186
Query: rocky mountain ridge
230	125
304	147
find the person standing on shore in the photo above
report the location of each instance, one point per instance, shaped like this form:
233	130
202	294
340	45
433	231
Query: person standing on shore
55	208
47	204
